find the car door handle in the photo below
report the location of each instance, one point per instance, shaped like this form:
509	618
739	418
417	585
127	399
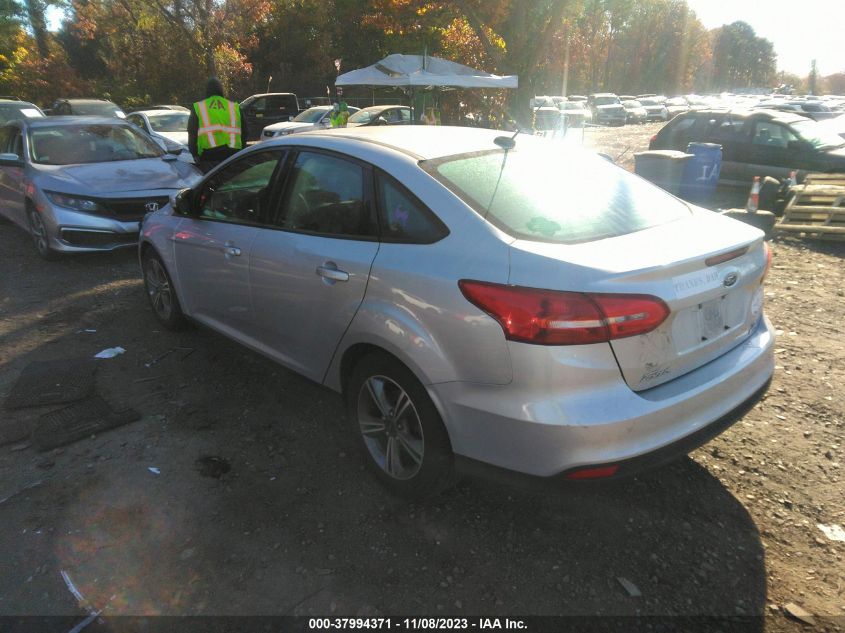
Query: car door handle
331	272
230	250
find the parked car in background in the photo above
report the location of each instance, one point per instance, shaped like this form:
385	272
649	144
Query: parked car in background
757	142
169	107
311	119
11	109
634	112
655	110
606	109
381	115
575	114
676	106
576	98
575	345
78	185
547	119
86	107
168	128
262	110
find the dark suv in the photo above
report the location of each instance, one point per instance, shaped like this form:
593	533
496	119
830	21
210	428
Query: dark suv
757	142
265	109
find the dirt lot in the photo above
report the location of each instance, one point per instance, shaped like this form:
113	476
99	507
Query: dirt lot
295	526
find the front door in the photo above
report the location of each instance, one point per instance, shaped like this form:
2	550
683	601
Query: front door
212	248
309	275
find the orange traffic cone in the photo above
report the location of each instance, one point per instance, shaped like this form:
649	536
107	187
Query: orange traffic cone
754	196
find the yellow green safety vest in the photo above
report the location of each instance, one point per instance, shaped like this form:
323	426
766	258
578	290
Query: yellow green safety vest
219	124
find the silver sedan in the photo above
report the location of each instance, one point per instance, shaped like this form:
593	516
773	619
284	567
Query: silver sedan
478	299
79	184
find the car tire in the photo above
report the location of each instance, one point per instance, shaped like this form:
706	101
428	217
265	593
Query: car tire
408	450
161	293
40	236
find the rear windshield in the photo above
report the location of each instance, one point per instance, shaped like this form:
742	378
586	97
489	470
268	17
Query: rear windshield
76	144
176	122
547	194
98	109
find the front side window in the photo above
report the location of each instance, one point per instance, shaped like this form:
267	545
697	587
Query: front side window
325	195
240	193
536	192
76	144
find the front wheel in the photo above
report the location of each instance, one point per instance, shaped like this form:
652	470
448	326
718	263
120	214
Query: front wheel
398	428
40	237
160	292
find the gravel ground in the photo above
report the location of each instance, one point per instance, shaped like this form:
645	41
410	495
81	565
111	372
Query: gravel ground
258	503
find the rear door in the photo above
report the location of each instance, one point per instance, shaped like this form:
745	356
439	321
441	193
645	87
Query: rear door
309	275
732	133
212	250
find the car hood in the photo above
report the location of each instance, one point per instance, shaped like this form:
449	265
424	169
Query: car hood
97	179
177	137
293	126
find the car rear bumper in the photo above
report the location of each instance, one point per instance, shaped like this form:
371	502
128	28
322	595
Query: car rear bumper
552	427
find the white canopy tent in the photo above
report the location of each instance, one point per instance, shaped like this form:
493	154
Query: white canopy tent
422	72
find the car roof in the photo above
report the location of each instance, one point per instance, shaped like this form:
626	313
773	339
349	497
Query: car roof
94	100
17	102
159	112
421	142
57	121
744	113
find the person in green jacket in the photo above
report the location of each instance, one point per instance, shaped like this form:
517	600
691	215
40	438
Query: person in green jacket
216	129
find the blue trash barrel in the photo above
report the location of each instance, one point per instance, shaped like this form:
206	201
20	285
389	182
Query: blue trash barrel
701	173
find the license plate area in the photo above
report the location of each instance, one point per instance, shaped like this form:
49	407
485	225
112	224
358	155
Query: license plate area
713	319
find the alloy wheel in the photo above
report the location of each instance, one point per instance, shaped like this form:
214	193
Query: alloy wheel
158	289
39	233
391	427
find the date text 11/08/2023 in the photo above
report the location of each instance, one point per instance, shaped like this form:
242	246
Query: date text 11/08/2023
416	624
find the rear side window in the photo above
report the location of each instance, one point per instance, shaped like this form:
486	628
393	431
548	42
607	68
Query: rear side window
541	193
403	218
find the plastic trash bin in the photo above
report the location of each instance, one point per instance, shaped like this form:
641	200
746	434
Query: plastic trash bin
663	167
701	173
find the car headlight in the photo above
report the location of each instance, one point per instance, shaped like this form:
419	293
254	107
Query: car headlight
284	132
72	202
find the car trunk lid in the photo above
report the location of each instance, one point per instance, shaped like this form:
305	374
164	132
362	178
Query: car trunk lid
707	269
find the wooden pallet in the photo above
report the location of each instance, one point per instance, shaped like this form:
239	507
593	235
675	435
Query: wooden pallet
817	207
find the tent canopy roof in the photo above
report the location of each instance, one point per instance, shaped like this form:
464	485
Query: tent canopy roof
423	71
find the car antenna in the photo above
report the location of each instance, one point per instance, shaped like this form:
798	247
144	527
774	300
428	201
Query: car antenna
506	143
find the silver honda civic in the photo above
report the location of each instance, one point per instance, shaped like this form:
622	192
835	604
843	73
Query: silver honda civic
79	184
480	300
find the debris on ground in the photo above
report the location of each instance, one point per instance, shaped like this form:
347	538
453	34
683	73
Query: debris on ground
630	587
110	352
833	532
154	470
798	613
52	382
213	466
78	421
34	484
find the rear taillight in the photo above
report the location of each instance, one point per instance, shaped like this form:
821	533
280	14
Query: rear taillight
550	317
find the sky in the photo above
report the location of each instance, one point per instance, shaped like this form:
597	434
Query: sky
800	30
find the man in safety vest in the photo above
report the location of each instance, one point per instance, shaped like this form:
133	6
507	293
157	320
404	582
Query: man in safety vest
216	129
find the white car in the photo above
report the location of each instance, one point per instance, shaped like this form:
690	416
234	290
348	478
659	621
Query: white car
311	119
168	128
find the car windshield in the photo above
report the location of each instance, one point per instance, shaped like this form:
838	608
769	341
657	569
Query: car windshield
648	102
75	144
363	117
96	109
606	100
175	122
544	194
571	106
9	112
311	115
817	135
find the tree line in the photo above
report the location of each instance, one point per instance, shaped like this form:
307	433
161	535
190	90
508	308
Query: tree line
152	51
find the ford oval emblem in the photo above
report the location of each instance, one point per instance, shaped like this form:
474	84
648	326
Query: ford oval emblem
730	279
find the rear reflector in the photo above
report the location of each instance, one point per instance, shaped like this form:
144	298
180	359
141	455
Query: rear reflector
550	317
768	251
594	473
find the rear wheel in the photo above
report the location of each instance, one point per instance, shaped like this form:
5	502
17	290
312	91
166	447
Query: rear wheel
160	292
398	427
40	237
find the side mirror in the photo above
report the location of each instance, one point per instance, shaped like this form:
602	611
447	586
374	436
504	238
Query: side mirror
182	203
326	122
10	160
